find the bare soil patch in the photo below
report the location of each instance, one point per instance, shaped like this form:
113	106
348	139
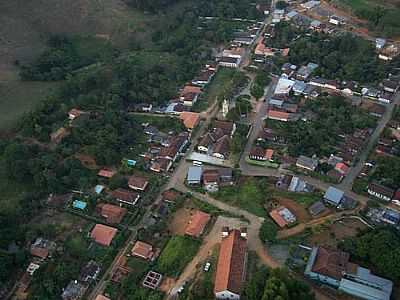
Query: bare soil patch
180	219
332	234
297	209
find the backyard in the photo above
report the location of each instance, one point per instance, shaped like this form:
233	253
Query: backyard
178	252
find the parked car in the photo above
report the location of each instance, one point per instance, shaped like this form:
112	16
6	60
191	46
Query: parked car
207	267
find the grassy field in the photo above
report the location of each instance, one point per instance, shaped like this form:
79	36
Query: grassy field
221	85
18	97
305	199
178	252
249	195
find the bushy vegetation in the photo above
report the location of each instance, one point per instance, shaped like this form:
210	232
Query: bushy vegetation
66	55
334	116
379	249
178	252
344	57
276	284
381	18
268	231
387	171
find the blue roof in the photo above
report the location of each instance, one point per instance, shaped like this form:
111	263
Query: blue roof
194	174
334	195
131	162
98	188
79	204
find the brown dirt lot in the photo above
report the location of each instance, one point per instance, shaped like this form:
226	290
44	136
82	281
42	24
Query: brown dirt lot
297	209
332	234
178	224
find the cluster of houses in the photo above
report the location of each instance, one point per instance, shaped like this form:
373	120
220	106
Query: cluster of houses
76	289
210	179
333	268
216	142
384	215
233	56
187	96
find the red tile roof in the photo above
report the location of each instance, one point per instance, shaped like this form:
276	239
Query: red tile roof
103	234
170	195
138	182
112	213
210	176
278	218
231	263
190	119
342	168
39	252
189	89
269	154
106	173
142	250
197	223
278	115
332	263
125	195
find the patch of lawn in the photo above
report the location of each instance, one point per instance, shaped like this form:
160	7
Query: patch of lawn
305	199
223	84
249	195
178	252
19	97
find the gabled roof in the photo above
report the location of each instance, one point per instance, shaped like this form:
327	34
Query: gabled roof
210	176
125	195
226	126
190	119
222	146
143	250
333	263
197	223
106	173
103	234
137	182
112	213
231	263
334	195
277	115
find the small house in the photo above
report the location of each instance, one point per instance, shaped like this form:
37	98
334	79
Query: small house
143	250
138	183
197	223
317	208
381	192
90	272
307	163
125	196
103	234
74	290
194	175
74	113
333	196
282	216
211	180
106	173
112	213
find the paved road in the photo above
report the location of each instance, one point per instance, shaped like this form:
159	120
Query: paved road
179	170
347	183
209	242
258	121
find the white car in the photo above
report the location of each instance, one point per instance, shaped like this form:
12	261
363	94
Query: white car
207	267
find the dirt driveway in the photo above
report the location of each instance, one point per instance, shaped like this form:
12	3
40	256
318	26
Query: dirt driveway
297	209
209	242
